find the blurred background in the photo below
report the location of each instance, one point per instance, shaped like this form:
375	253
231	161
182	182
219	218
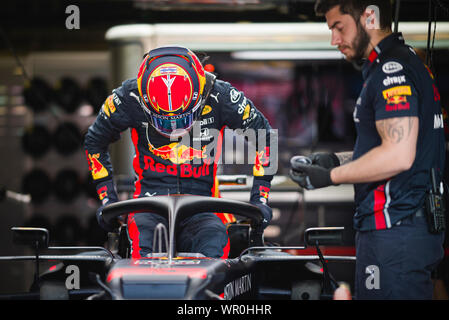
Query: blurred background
60	59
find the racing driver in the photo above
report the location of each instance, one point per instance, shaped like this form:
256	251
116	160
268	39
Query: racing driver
177	113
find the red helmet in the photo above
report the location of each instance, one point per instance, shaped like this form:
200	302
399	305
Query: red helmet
171	82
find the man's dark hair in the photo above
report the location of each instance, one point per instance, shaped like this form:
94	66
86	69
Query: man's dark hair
356	8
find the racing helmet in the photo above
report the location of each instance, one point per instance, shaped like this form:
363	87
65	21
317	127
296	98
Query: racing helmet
171	82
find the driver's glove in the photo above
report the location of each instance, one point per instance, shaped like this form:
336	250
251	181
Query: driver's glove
107	194
259	198
267	213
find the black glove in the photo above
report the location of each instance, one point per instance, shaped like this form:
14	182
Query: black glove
267	213
102	223
108	195
308	175
325	160
259	198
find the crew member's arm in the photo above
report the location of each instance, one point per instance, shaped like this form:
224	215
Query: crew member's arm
330	160
344	157
395	107
395	154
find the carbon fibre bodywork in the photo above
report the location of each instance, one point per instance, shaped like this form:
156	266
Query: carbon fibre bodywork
258	272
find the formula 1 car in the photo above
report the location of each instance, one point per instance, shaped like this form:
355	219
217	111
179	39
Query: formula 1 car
257	272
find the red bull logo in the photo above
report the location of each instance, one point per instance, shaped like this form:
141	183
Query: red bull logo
102	192
262	159
186	170
397	103
178	153
97	169
264	192
397	100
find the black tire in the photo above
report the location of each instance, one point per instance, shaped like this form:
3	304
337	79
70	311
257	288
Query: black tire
67	138
37	183
36	140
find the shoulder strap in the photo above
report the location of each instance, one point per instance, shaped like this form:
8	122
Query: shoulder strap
210	81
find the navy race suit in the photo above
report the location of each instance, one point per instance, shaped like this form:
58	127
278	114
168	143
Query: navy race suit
184	166
397	84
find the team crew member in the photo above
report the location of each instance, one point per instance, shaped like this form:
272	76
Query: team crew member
177	113
400	138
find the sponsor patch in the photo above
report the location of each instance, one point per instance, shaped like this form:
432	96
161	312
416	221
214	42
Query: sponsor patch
177	153
242	106
102	193
246	112
392	67
116	99
438	121
109	106
168	70
237	287
388	81
97	169
206	110
184	170
215	96
397	91
264	192
206	121
397	100
261	161
397	107
235	95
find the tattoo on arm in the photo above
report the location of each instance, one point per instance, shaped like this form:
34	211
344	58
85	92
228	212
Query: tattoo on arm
395	130
344	157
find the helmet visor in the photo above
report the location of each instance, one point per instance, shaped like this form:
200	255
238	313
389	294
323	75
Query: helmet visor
176	125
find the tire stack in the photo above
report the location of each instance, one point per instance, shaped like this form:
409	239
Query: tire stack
56	175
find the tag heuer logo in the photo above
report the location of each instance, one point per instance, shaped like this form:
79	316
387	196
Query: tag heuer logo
391	67
235	95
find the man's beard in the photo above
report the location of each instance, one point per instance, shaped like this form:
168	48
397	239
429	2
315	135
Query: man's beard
360	43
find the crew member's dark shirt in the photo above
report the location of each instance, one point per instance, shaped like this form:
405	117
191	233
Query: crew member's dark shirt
397	84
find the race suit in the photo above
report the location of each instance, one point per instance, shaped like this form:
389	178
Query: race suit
185	166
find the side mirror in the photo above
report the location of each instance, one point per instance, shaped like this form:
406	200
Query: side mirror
324	236
37	238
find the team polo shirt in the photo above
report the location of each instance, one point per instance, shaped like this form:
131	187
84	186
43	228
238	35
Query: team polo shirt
397	84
